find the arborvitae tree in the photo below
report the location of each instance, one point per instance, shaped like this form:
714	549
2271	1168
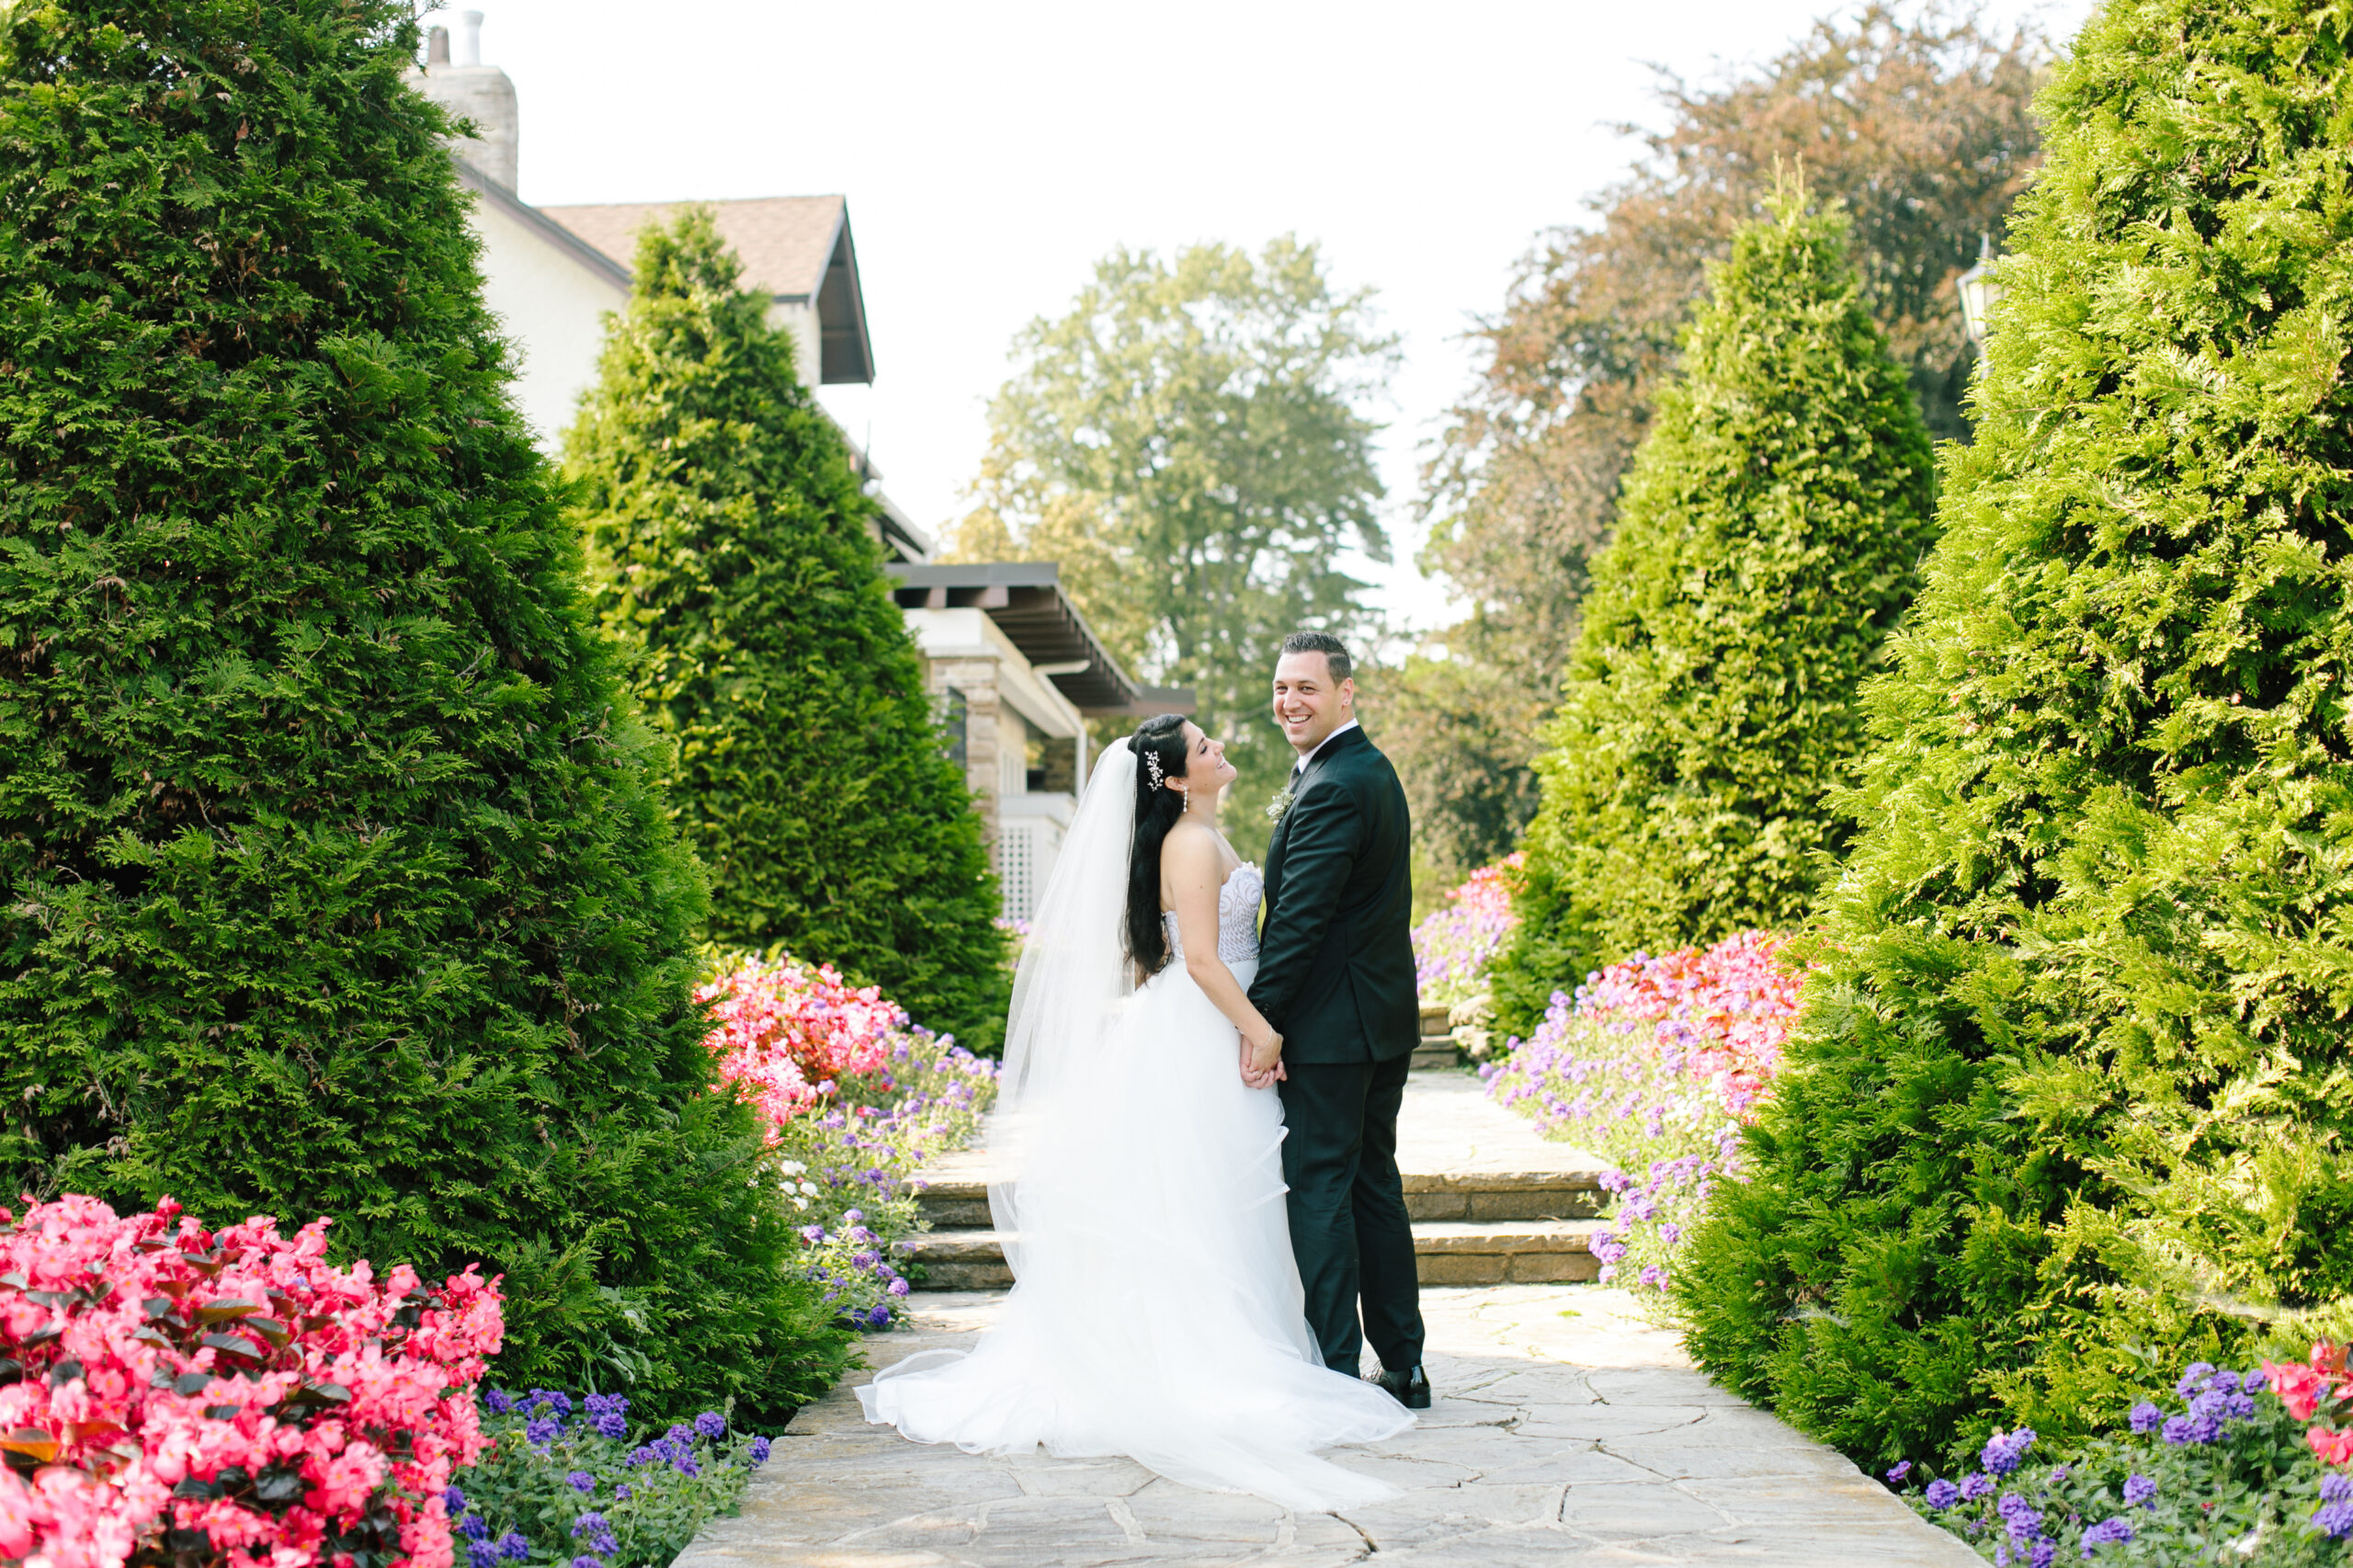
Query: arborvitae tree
1769	537
732	548
2069	1105
333	880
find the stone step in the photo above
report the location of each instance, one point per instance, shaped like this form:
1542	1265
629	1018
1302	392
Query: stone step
1527	1252
957	1203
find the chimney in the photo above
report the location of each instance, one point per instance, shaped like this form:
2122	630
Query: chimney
471	90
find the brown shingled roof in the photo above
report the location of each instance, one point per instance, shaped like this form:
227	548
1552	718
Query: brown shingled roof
785	241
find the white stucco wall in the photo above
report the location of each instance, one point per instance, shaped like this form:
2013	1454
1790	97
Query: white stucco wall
552	309
807	344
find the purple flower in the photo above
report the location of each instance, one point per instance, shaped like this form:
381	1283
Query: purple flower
498	1402
2003	1452
542	1430
554	1398
2333	1520
621	1489
642	1455
1902	1469
813	1234
679	1432
2024	1520
2175	1431
1655	1277
2140	1492
1942	1494
610	1424
879	1318
481	1554
2043	1553
580	1482
2255	1382
453	1502
2113	1531
898	1287
473	1526
591	1528
759	1451
1975	1486
2147	1417
710	1423
587	1562
514	1548
2196	1373
2337	1487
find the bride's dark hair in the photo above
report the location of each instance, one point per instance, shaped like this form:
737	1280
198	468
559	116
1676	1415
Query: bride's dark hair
1159	746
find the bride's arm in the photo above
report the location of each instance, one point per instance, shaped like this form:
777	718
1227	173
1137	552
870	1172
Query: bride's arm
1193	872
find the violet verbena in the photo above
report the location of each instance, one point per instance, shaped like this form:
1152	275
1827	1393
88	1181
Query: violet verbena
2225	1477
558	1487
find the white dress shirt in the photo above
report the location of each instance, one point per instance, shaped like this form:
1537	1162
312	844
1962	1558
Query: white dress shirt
1301	766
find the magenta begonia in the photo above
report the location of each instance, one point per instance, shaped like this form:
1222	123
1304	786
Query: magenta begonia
231	1388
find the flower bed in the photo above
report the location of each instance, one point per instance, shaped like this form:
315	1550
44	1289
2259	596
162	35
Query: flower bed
2230	1475
1453	947
177	1395
566	1480
857	1099
1654	1064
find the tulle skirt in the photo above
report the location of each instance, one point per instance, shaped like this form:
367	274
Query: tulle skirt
1157	1312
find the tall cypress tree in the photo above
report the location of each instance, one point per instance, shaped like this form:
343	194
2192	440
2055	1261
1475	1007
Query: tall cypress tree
1769	539
2068	1106
333	879
732	547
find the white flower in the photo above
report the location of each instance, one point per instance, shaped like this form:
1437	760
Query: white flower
792	1167
1279	804
800	1203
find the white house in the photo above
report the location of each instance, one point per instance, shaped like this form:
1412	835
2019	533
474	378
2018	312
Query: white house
1015	670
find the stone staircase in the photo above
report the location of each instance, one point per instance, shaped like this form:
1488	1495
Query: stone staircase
1491	1202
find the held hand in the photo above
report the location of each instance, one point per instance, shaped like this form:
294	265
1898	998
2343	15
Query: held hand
1262	1055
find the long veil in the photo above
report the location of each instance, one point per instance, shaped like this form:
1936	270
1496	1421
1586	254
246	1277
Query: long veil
1072	986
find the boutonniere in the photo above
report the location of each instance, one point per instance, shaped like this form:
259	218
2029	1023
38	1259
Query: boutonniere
1279	805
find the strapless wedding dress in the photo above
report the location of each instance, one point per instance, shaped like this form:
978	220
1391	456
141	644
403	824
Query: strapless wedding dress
1157	1312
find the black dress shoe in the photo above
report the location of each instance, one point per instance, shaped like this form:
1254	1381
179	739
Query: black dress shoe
1411	1389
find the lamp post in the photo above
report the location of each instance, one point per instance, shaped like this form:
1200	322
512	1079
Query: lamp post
1978	292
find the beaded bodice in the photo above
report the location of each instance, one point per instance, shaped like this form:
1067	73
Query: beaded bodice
1237	916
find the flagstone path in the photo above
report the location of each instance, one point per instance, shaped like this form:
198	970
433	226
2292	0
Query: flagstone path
1567	1431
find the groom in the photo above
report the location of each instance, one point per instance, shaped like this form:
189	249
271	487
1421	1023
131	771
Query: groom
1336	978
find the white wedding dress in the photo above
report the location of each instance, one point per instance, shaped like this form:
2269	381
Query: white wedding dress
1156	1311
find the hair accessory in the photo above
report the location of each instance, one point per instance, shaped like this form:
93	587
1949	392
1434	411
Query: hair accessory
1152	767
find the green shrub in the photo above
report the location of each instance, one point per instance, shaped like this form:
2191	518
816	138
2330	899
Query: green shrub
732	547
334	880
1766	542
2069	1103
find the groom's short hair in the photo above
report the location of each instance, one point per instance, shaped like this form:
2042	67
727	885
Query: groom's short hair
1335	652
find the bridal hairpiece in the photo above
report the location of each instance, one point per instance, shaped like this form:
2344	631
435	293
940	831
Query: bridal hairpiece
1152	767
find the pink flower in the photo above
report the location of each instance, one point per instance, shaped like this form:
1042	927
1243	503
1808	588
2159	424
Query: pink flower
2332	1445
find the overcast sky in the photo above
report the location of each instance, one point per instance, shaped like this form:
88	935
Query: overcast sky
990	153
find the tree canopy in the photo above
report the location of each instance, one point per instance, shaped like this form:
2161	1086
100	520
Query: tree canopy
2065	1110
1770	535
335	879
1915	123
1189	441
732	547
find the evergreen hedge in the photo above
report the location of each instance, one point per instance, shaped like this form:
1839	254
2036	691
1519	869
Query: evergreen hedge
333	879
1770	536
2069	1106
732	546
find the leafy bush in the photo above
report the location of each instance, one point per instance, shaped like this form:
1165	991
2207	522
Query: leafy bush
568	1482
732	548
174	1395
334	883
1656	1064
2225	1477
2067	1104
1767	541
858	1101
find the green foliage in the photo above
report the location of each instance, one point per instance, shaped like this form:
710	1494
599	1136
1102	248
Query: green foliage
1188	443
334	880
1768	540
1470	790
1915	120
2070	1103
732	547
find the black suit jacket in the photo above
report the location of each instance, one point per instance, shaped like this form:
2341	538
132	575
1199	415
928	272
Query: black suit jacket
1336	960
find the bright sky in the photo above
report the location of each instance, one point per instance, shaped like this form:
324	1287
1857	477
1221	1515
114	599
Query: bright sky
991	153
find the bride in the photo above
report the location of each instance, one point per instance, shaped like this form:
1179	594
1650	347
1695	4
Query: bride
1137	1174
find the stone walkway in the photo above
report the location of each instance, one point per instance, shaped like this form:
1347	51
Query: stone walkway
1567	1432
1567	1429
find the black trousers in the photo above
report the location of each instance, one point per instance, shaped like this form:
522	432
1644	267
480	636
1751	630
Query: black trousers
1349	1227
